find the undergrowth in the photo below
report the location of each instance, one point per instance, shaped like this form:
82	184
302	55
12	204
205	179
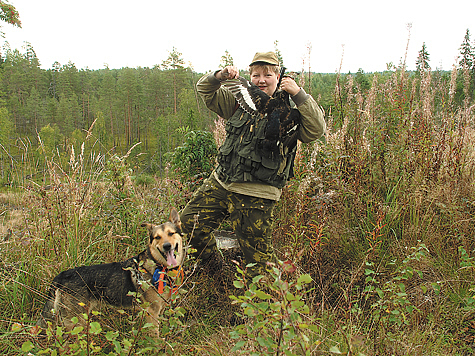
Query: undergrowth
375	232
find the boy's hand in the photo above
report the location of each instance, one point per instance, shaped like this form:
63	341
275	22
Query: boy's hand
229	72
289	85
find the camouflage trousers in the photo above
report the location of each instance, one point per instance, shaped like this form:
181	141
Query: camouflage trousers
250	217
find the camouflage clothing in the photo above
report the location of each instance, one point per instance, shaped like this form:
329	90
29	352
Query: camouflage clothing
251	220
247	202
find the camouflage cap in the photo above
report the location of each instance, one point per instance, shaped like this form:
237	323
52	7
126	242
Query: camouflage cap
265	57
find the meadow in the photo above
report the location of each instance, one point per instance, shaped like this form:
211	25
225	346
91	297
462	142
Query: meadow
375	234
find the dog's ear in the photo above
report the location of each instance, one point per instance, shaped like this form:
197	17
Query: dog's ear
149	229
175	218
148	226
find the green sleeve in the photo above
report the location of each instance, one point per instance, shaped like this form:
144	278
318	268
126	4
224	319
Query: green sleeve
313	122
216	98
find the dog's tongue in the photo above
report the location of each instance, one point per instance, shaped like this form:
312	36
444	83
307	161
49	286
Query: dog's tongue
171	261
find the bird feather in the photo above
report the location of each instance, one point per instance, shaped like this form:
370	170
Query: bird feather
240	89
282	120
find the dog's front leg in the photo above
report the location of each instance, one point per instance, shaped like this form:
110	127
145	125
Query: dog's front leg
153	314
154	309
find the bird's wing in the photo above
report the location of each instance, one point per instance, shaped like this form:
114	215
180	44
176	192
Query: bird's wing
247	94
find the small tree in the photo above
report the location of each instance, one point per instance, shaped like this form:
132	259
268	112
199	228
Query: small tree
466	67
466	57
362	79
195	158
422	62
51	138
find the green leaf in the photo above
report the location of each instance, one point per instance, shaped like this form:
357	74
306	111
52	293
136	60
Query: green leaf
265	342
117	346
304	278
335	350
77	330
27	346
304	309
263	306
111	335
436	287
290	297
255	279
238	284
261	295
297	304
250	312
95	328
238	346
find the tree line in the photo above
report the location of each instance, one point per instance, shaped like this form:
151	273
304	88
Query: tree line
149	105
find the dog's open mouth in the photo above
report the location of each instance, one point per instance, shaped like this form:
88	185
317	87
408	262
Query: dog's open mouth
170	257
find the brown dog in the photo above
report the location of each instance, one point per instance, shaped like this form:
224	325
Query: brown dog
148	275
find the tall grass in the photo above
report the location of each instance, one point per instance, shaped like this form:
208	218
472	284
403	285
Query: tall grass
380	216
396	172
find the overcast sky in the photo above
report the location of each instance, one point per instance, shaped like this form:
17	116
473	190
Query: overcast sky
141	33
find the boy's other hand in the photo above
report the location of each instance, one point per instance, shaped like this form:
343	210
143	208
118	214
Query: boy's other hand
289	85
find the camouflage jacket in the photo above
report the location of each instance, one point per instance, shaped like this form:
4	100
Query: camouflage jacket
242	168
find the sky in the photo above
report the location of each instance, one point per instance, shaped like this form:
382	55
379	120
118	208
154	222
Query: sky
343	35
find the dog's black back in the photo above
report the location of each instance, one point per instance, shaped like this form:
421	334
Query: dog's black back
110	282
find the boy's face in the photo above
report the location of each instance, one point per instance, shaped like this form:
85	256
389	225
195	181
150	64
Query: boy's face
265	80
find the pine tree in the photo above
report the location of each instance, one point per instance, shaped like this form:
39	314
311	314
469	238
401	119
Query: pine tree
68	80
422	62
176	64
107	100
466	66
466	57
362	80
128	85
34	111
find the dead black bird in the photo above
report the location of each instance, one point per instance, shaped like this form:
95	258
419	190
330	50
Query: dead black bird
282	120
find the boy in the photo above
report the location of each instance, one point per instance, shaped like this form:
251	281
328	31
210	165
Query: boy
247	182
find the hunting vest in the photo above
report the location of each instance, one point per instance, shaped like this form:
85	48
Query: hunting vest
242	159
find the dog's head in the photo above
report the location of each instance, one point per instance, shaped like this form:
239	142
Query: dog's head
166	245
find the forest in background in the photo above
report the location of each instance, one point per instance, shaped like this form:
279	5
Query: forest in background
132	105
